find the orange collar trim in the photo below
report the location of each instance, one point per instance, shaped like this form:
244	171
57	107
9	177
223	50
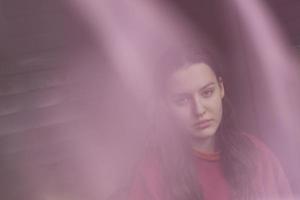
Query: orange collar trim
207	156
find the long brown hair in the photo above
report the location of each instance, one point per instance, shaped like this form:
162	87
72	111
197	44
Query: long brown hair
237	150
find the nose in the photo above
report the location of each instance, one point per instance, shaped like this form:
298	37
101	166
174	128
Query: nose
198	107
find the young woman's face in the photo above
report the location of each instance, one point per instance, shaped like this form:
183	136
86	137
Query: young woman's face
194	96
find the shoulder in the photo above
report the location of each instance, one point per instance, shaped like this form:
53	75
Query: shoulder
149	163
256	141
270	174
266	159
261	148
147	178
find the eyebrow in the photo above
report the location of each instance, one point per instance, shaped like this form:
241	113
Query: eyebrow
187	94
207	85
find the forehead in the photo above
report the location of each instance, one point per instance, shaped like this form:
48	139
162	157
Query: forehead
191	78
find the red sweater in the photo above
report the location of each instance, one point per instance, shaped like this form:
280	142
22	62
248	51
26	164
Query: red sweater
148	183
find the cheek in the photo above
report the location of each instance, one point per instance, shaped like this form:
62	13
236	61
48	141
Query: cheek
214	105
180	114
220	112
217	109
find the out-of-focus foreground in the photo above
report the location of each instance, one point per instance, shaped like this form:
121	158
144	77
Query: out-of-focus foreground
75	92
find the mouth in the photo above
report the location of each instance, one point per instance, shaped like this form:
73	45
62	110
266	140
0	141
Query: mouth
203	124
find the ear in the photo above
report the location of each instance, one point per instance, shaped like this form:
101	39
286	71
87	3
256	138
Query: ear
221	86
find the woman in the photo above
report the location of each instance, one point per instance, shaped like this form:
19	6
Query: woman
201	154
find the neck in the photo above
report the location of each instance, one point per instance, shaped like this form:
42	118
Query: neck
206	145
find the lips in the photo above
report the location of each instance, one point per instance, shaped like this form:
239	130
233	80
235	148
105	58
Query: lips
203	124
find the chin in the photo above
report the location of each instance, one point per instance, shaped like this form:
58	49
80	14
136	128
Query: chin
204	134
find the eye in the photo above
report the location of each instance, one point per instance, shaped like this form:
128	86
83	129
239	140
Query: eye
208	92
181	100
